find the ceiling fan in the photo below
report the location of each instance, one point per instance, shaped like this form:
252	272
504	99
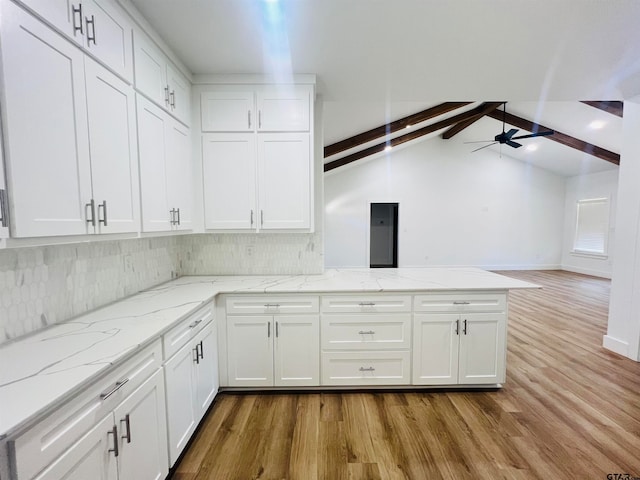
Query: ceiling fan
508	137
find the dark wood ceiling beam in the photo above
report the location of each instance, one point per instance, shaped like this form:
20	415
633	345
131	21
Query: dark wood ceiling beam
392	127
559	137
612	107
487	107
412	135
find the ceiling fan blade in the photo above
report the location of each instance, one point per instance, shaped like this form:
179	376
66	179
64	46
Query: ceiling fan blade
510	133
484	147
537	134
513	144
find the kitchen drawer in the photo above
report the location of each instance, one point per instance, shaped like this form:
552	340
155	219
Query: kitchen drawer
178	336
366	332
272	304
366	368
366	303
47	440
461	302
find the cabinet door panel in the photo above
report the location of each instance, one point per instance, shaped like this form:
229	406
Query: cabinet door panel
153	174
435	349
179	95
229	176
284	108
227	112
143	437
482	348
181	402
46	128
297	350
111	112
150	68
206	369
179	174
89	458
250	351
112	32
59	13
284	181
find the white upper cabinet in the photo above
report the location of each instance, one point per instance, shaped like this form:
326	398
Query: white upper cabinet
100	26
228	111
112	133
46	142
159	80
179	175
284	108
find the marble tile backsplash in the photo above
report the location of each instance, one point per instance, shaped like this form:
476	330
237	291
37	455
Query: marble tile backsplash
41	286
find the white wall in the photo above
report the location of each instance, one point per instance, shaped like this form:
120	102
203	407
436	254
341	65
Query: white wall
596	185
456	208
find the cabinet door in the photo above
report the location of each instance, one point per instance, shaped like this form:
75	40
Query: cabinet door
179	94
179	174
108	36
150	66
142	429
153	174
46	142
89	458
297	350
61	14
284	109
284	186
206	369
229	177
482	348
227	112
181	402
112	133
435	349
250	351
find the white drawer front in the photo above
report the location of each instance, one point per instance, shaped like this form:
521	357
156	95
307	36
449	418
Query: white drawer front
272	305
47	440
366	368
366	332
461	302
178	336
366	303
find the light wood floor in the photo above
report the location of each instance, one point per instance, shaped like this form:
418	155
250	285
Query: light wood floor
569	410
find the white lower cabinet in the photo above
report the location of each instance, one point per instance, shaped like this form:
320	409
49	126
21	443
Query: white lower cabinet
191	377
267	351
451	348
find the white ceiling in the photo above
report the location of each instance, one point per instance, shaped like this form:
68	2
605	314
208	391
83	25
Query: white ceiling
379	60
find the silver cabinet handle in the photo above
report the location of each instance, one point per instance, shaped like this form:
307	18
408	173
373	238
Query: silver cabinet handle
458	327
270	305
368	332
92	209
77	11
91	37
369	369
261	218
367	304
460	303
103	206
201	350
268	329
197	357
259	118
277	333
127	424
464	328
115	449
251	218
172	97
114	389
195	324
166	95
178	213
249	118
4	209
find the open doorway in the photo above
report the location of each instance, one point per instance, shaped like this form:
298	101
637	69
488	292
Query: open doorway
383	242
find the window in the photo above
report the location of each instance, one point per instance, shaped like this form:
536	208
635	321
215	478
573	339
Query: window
592	226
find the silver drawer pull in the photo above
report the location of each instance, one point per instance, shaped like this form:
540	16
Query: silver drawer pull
369	369
367	304
368	332
195	324
460	303
114	389
270	305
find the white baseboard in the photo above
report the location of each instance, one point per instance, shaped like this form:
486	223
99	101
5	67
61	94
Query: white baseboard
615	345
587	271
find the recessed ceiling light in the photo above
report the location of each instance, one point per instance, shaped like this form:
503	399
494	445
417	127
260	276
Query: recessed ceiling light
597	124
532	147
387	148
408	126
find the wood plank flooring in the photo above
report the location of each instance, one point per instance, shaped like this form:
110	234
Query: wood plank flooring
569	409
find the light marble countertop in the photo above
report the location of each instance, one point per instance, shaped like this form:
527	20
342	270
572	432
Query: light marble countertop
41	371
